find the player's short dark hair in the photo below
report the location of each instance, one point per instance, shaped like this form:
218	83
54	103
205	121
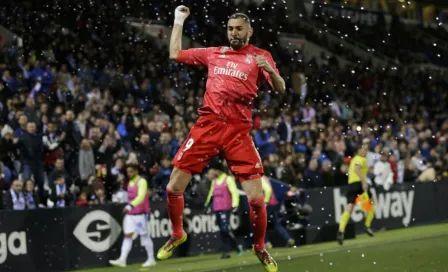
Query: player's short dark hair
133	166
240	15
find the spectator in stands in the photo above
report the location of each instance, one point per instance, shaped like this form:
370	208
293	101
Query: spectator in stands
382	171
109	98
59	170
51	142
32	200
313	176
98	197
410	172
22	123
82	199
328	174
265	140
429	174
161	179
86	161
32	154
71	137
8	153
13	199
60	195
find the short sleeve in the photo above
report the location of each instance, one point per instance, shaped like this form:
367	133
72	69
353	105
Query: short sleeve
195	56
266	75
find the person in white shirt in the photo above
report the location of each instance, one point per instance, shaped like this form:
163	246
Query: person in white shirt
384	176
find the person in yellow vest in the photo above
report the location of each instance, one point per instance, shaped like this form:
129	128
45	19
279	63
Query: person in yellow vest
273	207
225	199
357	186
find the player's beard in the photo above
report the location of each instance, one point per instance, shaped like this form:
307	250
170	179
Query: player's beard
237	43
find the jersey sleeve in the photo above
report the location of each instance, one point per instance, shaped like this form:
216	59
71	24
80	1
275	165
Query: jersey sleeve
210	194
265	74
233	189
266	189
195	56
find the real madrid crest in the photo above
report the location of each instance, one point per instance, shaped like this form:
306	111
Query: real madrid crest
248	59
223	50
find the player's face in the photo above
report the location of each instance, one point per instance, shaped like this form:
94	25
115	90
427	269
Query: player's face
238	33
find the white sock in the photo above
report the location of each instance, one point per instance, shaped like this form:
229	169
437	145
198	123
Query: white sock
149	246
125	248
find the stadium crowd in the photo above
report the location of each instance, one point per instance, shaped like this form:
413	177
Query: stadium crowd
87	94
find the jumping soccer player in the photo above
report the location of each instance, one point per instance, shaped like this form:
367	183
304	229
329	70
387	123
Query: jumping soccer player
357	185
234	75
273	207
226	199
136	218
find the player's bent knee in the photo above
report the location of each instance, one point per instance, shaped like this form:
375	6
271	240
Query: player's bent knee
128	235
179	180
253	188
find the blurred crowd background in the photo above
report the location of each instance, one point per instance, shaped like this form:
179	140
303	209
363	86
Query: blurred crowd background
86	94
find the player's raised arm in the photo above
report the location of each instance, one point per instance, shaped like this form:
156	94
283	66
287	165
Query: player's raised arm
180	14
192	56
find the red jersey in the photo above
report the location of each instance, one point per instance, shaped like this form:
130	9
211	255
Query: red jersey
233	78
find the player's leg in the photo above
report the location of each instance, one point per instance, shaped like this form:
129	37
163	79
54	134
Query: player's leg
145	240
128	228
370	214
353	191
223	223
258	219
200	146
245	162
236	243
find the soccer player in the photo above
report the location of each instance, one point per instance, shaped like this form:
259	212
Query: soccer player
234	75
226	199
357	185
136	218
273	207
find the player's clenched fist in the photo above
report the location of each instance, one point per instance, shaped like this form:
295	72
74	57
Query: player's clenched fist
180	14
264	64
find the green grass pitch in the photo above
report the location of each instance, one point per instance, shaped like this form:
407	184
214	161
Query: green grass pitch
412	249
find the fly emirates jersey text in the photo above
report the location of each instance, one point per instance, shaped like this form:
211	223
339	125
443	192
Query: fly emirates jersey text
231	69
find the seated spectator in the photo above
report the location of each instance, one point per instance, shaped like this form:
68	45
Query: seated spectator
383	173
98	197
313	176
32	200
60	195
82	199
328	174
410	172
5	177
13	199
161	179
428	175
59	170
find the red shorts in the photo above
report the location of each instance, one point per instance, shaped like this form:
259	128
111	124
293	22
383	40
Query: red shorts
212	135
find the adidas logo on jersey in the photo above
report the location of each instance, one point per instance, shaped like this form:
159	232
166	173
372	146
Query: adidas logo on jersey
257	165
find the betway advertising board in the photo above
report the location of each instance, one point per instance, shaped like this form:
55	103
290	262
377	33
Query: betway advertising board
403	205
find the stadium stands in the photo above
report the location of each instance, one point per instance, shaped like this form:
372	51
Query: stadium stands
103	94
